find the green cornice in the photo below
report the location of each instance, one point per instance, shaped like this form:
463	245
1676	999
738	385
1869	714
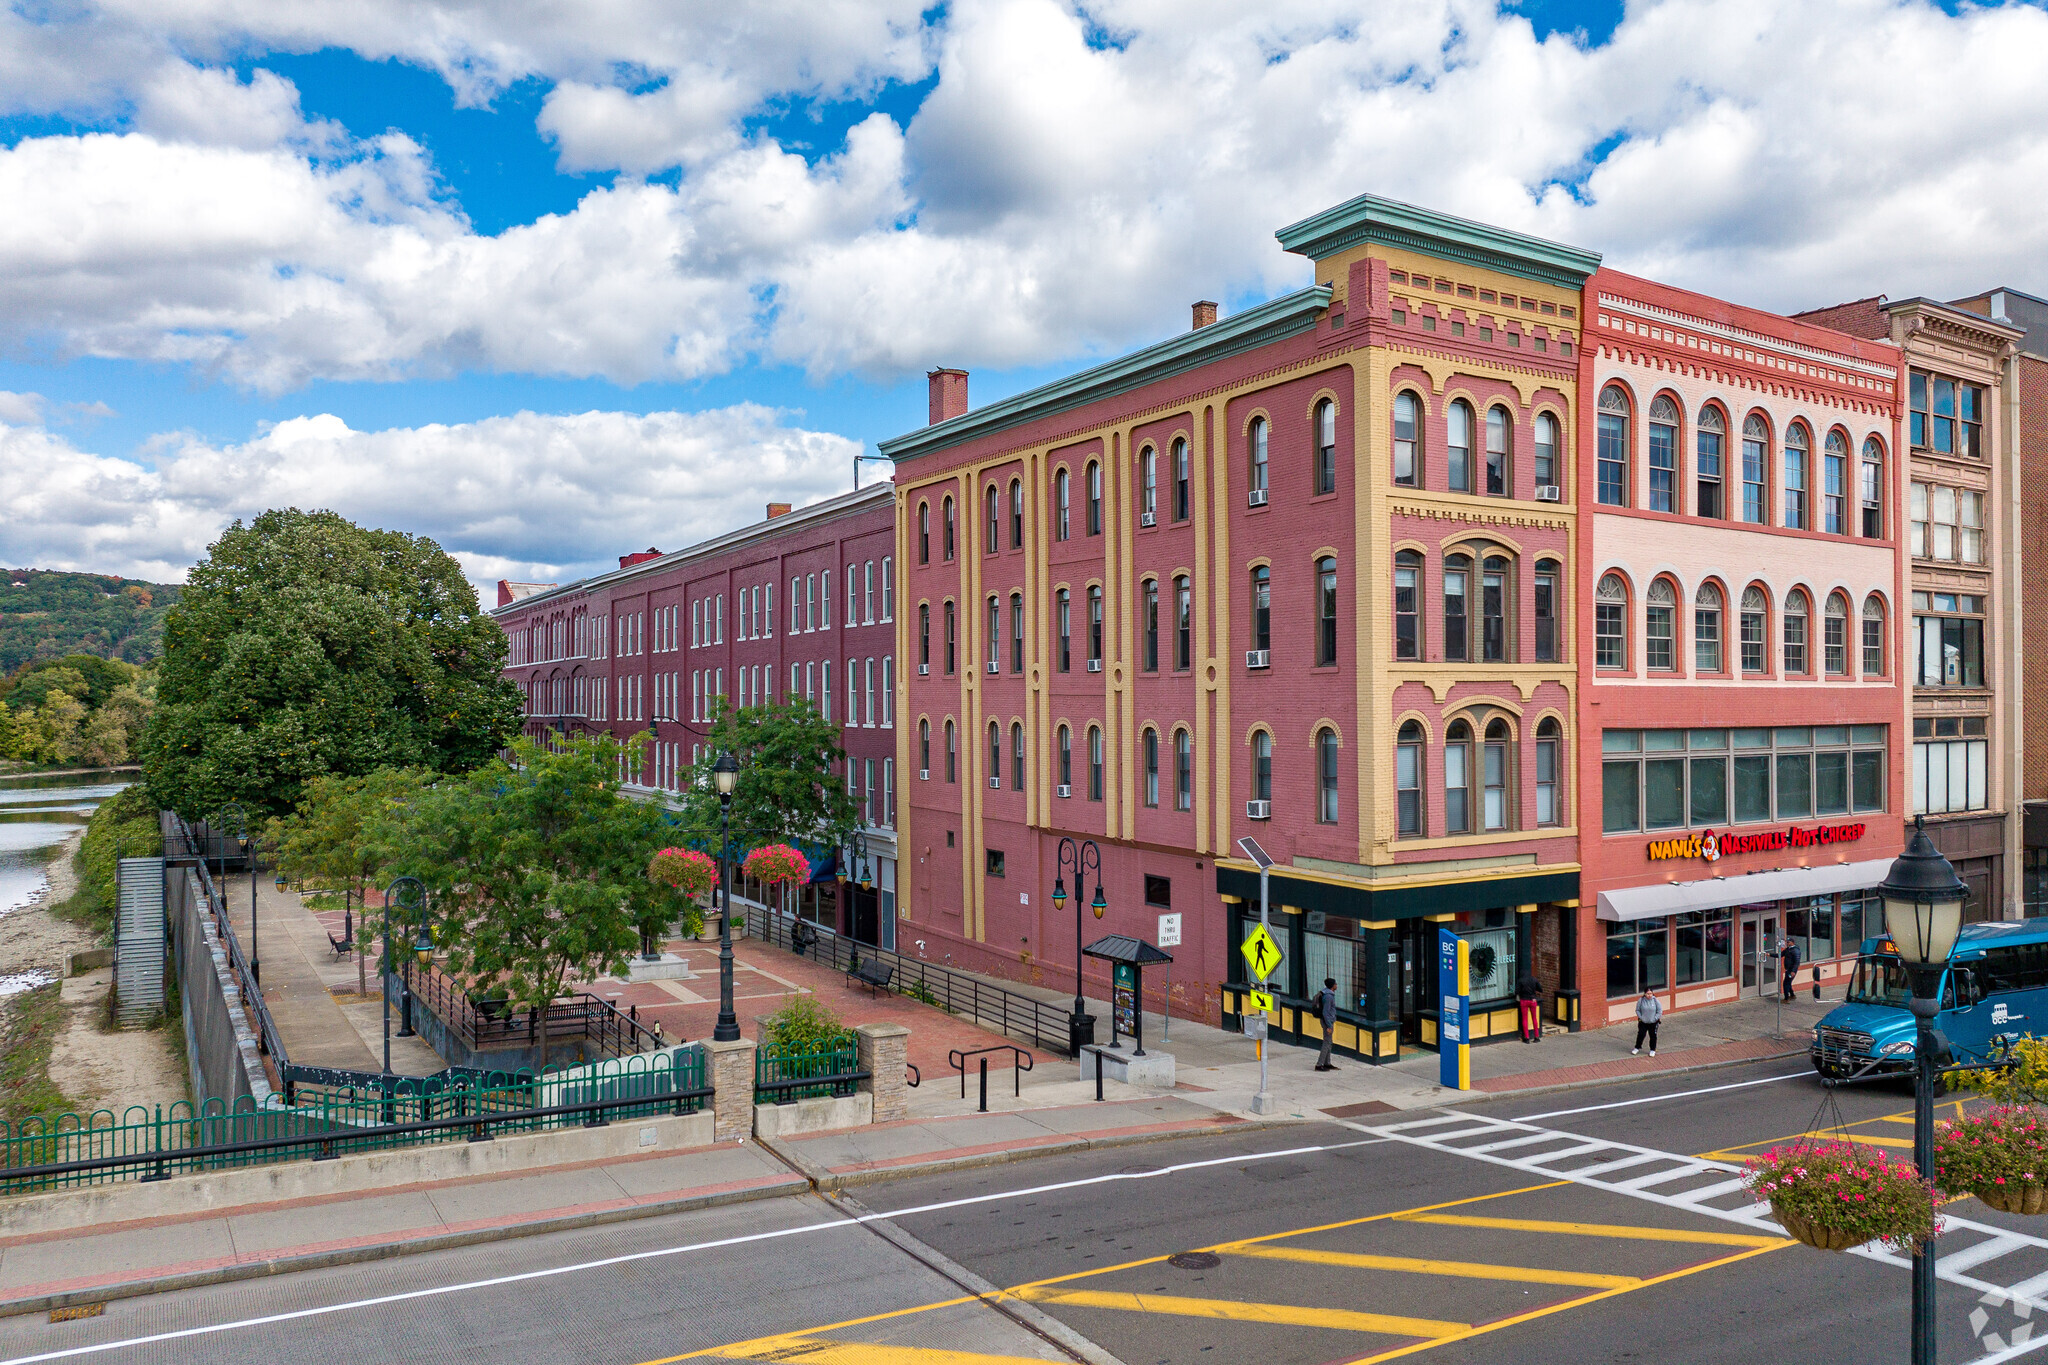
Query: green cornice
1259	326
1369	218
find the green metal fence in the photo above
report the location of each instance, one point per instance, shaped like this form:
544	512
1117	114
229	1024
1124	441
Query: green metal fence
148	1143
783	1077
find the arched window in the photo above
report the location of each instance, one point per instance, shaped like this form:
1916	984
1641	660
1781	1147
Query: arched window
952	636
1408	779
995	632
1094	498
1016	514
946	529
1457	606
1610	623
1148	622
1262	608
995	754
1064	623
1407	439
1326	612
1094	763
1834	485
1545	460
1149	742
1326	776
1183	624
1494	770
1756	470
1065	745
1834	636
1407	605
1493	609
1545	610
1662	487
1183	770
924	750
1016	756
1756	610
1706	629
1262	766
1183	491
1148	485
1709	444
1611	448
1870	489
1326	447
1659	626
1549	763
1796	611
1256	454
1458	778
924	637
1458	446
1095	629
994	540
1016	632
1061	493
1874	650
1499	429
952	754
1798	469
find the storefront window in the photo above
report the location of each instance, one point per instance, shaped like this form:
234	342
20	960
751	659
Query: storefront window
1748	775
1332	948
1636	958
1704	939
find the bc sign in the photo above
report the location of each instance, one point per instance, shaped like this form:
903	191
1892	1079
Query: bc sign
1454	1024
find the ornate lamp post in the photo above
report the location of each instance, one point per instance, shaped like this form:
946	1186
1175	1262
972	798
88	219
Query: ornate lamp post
409	894
1082	857
725	776
1923	912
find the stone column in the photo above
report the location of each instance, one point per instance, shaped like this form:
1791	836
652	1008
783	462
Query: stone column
883	1050
732	1078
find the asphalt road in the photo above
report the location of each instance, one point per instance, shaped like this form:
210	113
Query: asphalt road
1313	1244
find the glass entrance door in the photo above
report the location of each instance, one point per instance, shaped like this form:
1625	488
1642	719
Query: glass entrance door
1760	952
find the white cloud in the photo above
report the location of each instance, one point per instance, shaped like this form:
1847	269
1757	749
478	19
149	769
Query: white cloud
529	496
1070	184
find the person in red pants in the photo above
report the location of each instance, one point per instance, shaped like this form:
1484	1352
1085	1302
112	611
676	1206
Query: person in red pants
1529	999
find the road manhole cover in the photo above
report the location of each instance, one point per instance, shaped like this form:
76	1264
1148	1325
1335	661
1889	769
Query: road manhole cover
1195	1260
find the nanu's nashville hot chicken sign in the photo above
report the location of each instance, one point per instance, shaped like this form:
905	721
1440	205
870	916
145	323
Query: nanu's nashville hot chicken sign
1709	846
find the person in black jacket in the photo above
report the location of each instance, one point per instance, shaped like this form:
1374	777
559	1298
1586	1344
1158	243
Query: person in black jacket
1788	986
1529	1004
1326	1010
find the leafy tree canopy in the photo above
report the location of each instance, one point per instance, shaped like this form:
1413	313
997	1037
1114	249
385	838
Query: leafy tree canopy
331	842
47	613
792	783
87	677
305	645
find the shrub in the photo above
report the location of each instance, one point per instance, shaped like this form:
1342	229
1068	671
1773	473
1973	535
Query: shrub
1997	1156
804	1026
1837	1195
124	826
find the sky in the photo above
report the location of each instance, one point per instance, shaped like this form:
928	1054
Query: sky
548	283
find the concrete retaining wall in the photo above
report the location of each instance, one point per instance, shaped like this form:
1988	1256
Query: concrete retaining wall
366	1172
815	1115
220	1048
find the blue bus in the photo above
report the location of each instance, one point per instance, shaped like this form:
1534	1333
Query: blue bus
1994	987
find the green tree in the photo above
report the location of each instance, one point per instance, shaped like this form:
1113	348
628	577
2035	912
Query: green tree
11	743
59	722
334	840
305	645
792	782
536	871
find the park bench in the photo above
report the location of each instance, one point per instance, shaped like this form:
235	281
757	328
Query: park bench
341	946
872	974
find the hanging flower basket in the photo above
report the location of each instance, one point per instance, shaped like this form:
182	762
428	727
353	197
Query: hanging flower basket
2000	1156
684	869
777	864
1836	1195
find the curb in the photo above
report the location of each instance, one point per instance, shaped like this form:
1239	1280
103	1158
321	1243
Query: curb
1563	1086
320	1260
827	1181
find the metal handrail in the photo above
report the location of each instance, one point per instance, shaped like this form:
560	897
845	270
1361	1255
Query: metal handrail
957	1059
271	1040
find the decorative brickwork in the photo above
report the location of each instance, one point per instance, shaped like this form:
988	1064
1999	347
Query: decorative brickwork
732	1077
883	1053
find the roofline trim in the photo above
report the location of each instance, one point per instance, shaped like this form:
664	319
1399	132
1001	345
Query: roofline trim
1389	222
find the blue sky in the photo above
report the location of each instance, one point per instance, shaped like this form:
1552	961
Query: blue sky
377	260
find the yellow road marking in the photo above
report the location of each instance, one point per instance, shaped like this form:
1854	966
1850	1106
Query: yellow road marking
814	1351
1230	1310
1865	1140
1623	1231
1468	1270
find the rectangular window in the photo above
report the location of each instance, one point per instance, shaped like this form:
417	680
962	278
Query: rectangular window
1834	644
1407	632
1457	627
1704	946
1612	467
1495	796
1493	625
1094	764
995	634
1663	466
1825	771
1795	786
1546	614
1457	788
1755	495
1095	628
1951	774
1834	494
1149	620
1873	646
1708	472
1951	648
888	590
1637	958
1795	487
825	601
1151	747
867	592
1064	612
1546	781
1610	644
1183	625
1016	633
852	595
1408	787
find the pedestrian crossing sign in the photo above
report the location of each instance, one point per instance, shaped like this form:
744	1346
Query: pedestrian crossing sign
1258	1002
1261	953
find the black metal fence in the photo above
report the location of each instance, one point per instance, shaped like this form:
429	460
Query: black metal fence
484	1023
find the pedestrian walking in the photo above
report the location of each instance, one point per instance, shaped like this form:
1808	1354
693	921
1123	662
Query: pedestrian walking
1529	1002
1326	1010
1649	1010
1788	984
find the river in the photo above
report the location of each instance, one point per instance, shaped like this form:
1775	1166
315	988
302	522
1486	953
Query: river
38	812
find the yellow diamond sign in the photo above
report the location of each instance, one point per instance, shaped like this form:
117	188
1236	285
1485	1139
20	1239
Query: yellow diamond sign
1261	953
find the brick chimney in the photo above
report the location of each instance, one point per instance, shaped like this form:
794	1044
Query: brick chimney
628	561
1205	313
777	509
948	393
504	593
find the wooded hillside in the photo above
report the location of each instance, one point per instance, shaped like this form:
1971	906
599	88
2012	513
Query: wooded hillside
47	614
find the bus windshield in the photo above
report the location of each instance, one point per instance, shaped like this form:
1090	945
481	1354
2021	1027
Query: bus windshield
1880	981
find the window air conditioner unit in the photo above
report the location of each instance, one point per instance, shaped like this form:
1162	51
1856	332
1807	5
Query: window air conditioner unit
924	774
1095	665
995	782
1148	519
1065	790
1258	810
924	670
992	666
1258	658
1547	492
1258	497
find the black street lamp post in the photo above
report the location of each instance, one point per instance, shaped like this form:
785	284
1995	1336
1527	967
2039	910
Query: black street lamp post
232	816
410	894
725	775
1923	913
1082	857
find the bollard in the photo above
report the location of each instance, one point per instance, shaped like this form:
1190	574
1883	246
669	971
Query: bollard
1098	1073
984	1085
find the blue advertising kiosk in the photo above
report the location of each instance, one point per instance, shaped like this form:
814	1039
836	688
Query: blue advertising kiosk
1454	984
